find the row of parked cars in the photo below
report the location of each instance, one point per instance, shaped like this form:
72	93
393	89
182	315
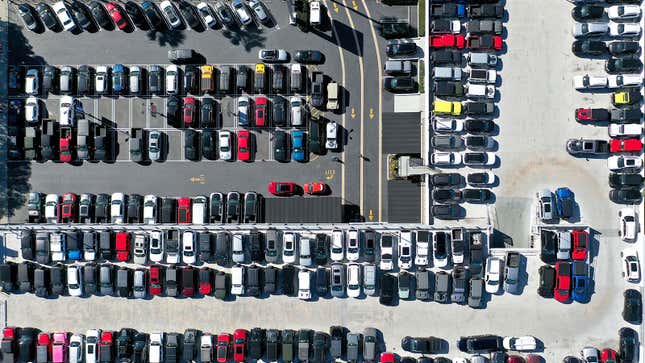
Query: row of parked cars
401	250
120	208
627	350
146	16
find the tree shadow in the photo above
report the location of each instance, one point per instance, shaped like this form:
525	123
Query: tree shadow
250	38
171	38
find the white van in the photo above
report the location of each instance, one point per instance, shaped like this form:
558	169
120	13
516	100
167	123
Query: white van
314	13
237	280
155	348
238	248
304	285
200	204
305	252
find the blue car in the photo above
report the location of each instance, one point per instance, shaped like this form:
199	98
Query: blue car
118	78
73	245
580	281
564	202
298	145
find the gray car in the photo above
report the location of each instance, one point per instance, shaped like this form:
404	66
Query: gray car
511	275
589	29
106	280
370	345
139	284
442	287
304	342
155	145
423	285
476	292
545	204
272	247
369	279
338	280
353	346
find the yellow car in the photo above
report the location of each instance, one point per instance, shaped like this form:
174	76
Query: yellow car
259	78
626	98
259	68
207	78
447	107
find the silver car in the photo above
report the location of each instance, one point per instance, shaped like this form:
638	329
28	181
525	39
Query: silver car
338	280
139	284
155	145
370	345
545	201
590	29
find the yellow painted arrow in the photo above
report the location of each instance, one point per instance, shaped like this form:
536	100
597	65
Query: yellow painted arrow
353	114
371	113
371	215
335	8
330	173
354	5
200	179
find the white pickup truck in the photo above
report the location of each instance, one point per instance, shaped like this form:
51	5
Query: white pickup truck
488	76
57	242
520	344
480	91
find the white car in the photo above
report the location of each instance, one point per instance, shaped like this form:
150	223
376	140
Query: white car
150	209
590	355
337	247
545	204
101	80
625	130
589	29
624	29
92	337
117	208
207	15
331	142
624	80
32	110
31	82
139	254
304	285
63	16
155	348
441	248
353	245
631	265
66	111
156	246
405	250
199	209
354	280
237	280
440	124
289	242
387	252
480	91
242	14
623	12
304	251
520	344
188	254
422	250
225	146
445	158
273	55
172	79
76	348
493	274
238	248
628	224
583	82
74	281
206	347
243	110
624	162
295	104
52	202
170	14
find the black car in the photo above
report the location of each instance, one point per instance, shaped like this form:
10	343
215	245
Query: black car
216	208
155	81
480	178
28	16
588	47
309	57
57	280
320	346
287	276
279	114
242	78
399	48
623	65
191	145
548	246
205	242
83	77
90	285
321	248
83	17
254	284
225	15
191	76
625	180
189	345
134	208
188	12
136	14
102	208
628	345
625	196
547	281
446	211
41	282
47	16
392	28
124	343
172	109
389	289
587	12
479	126
209	149
26	344
100	15
233	207
280	152
480	344
206	113
152	14
273	345
399	84
448	89
270	280
447	180
446	57
447	142
322	281
256	246
139	347
423	345
447	196
477	195
625	115
633	306
623	48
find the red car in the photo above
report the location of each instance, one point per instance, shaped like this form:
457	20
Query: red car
387	357
592	114
122	246
580	244
608	356
485	42
533	358
205	281
117	15
239	345
187	281
315	188
106	343
189	111
223	342
65	146
621	145
562	288
285	189
44	341
261	111
447	41
68	209
244	145
514	359
183	211
155	280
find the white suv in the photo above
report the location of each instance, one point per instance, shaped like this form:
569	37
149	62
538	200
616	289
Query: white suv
155	348
337	245
172	79
63	15
101	80
150	209
353	245
156	246
92	345
188	254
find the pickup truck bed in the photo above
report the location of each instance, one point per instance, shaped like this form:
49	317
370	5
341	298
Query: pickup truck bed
485	11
